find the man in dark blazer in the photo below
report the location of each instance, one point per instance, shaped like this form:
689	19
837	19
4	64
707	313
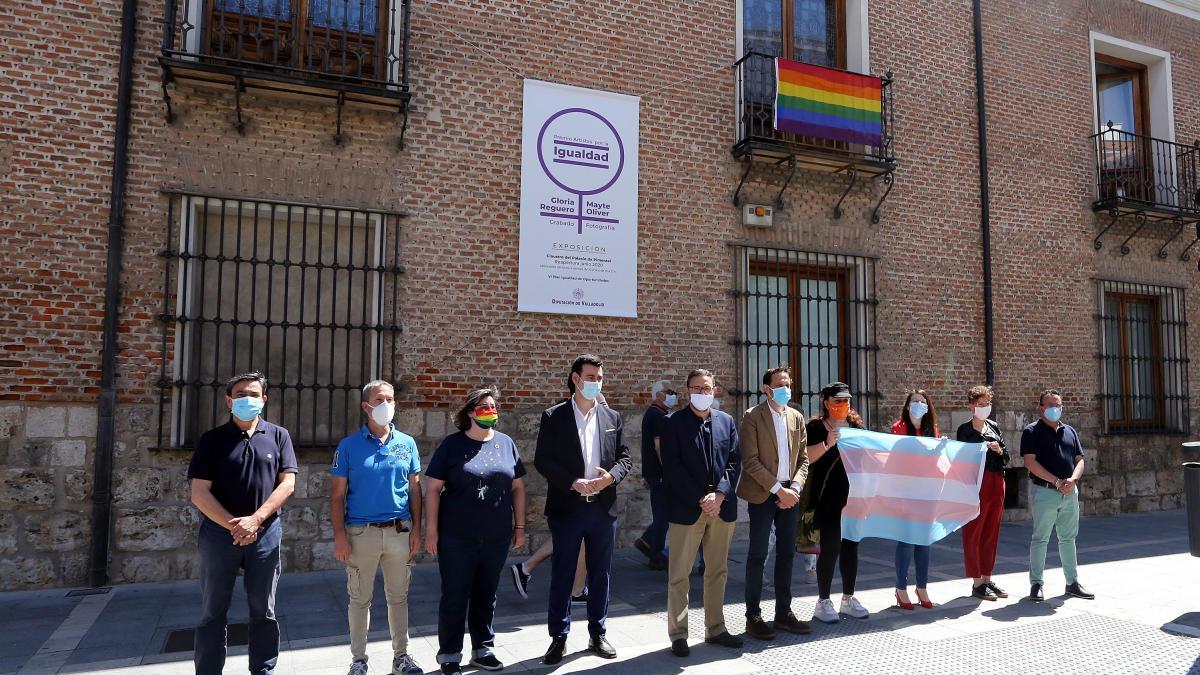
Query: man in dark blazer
582	454
701	465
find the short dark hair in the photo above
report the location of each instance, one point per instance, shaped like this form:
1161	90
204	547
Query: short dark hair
770	374
252	376
698	372
578	364
461	419
978	392
1047	392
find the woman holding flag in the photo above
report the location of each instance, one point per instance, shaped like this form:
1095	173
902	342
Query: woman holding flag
828	488
917	418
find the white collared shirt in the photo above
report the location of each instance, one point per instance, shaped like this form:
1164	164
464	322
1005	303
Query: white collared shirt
588	427
781	441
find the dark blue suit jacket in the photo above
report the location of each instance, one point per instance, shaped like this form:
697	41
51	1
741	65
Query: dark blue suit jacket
688	475
559	457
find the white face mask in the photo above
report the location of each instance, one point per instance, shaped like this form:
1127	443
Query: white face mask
982	411
382	414
701	402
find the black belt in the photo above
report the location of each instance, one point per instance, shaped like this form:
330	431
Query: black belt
400	525
588	498
1039	481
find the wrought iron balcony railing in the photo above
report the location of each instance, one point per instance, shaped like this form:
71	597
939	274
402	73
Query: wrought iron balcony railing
1151	175
757	135
348	50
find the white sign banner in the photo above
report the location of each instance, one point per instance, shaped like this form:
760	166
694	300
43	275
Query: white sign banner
579	201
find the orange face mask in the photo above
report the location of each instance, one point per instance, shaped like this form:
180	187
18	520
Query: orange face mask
838	410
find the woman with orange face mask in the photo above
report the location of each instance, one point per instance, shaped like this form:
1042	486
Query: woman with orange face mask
829	488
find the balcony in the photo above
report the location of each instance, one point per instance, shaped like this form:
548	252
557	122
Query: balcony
760	141
1149	181
344	51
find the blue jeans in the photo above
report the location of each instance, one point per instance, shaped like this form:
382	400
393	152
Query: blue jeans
655	535
762	518
589	523
470	570
904	557
220	560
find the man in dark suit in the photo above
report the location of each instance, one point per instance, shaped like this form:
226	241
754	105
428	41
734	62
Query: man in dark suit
701	465
582	454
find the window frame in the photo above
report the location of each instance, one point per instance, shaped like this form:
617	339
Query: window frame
1125	358
305	40
1168	358
856	303
182	397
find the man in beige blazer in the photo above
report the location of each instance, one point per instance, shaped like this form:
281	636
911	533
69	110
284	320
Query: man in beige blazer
774	466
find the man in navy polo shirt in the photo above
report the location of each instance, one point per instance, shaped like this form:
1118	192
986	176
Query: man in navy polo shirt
242	472
1054	458
375	499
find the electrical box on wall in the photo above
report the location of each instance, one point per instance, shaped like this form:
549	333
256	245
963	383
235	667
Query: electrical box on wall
757	215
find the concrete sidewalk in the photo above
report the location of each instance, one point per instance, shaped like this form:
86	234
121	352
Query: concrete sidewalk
1141	622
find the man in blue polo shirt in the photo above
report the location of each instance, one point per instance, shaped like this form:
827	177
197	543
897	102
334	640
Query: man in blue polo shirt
1054	458
375	501
241	472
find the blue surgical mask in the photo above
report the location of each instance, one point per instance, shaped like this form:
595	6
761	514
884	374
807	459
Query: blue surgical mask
781	395
917	410
246	408
1054	413
590	390
671	401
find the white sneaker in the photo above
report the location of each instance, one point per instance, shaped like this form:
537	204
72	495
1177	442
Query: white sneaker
853	608
824	611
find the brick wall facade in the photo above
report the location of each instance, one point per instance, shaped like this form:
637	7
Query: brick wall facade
458	181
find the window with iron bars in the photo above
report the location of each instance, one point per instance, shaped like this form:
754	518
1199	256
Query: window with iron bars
814	312
1143	358
304	293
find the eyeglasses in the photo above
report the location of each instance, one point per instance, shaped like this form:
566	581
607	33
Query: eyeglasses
701	390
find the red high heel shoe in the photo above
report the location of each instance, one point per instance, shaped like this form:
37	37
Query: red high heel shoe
903	605
927	604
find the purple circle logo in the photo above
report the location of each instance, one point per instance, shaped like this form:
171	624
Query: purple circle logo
580	151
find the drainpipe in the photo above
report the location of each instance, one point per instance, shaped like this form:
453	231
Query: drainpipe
106	422
985	198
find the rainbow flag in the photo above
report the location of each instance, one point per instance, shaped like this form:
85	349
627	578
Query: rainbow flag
913	489
826	103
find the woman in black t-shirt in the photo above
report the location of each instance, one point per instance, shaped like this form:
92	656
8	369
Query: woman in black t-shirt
981	536
475	510
827	477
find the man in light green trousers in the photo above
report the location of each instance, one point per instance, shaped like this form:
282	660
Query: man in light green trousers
1054	458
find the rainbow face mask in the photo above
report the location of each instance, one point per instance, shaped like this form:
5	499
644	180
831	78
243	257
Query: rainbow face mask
486	416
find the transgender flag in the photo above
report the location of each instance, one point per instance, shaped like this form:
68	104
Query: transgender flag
914	489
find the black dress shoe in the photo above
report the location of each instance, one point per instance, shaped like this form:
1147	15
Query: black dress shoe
758	628
996	590
725	640
680	647
791	624
983	592
554	655
642	546
1079	591
1035	593
600	647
